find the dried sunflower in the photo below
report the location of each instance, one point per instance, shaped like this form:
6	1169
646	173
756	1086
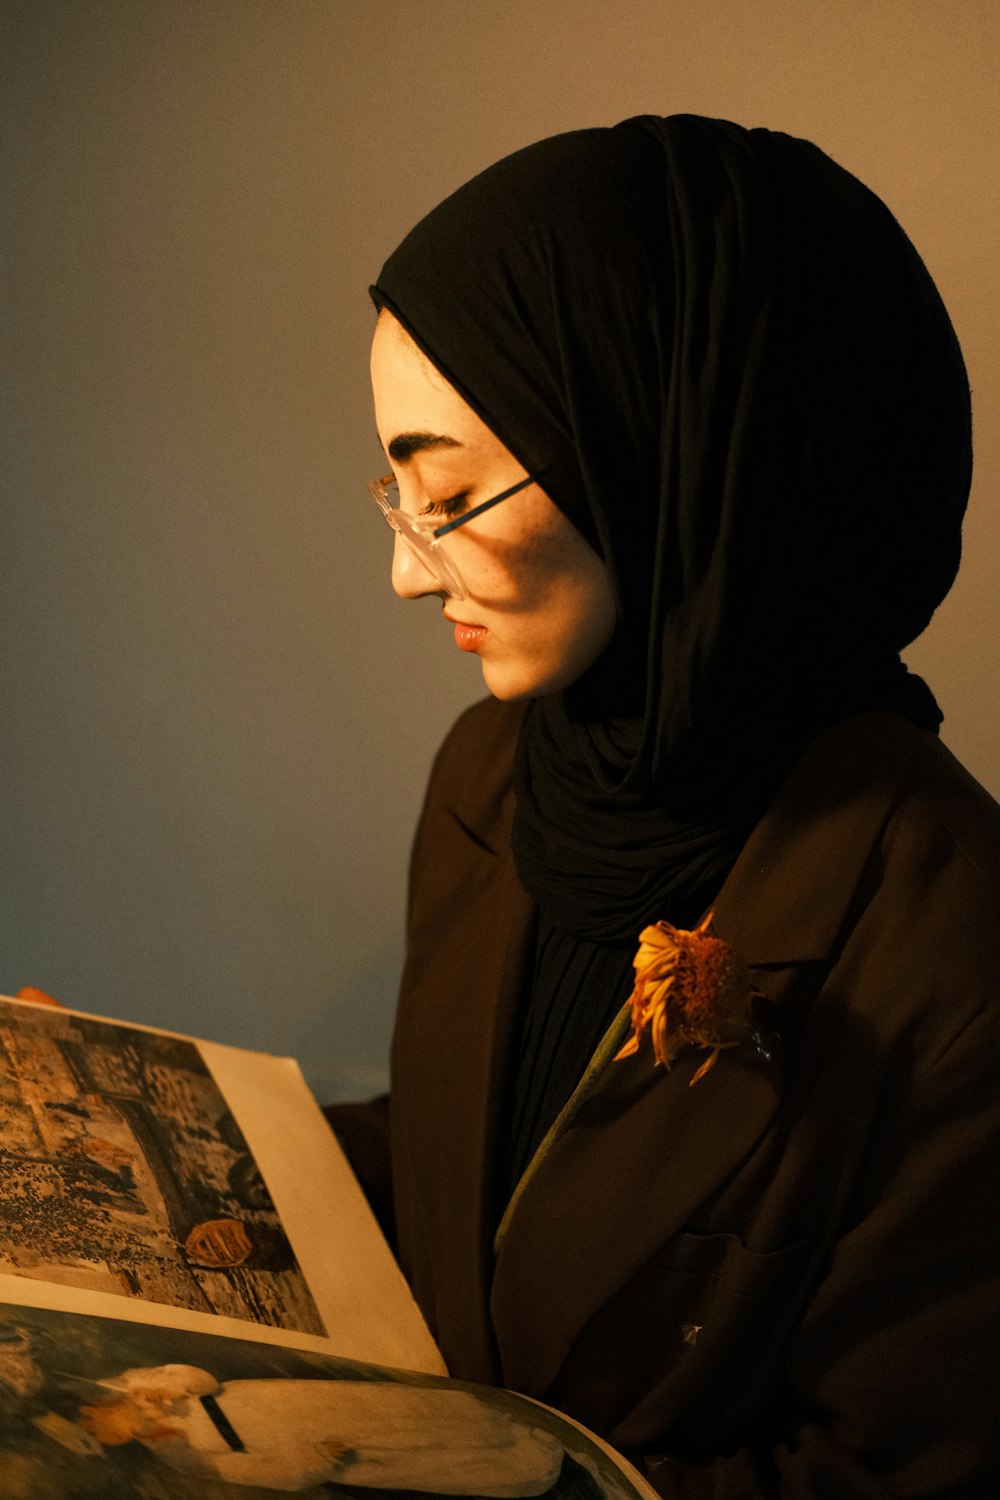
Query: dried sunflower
690	991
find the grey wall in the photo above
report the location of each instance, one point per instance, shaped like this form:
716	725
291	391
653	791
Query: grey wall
216	718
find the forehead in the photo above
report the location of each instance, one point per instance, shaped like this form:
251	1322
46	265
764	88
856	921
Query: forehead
411	395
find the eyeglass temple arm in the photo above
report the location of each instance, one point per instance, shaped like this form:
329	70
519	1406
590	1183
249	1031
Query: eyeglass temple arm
477	510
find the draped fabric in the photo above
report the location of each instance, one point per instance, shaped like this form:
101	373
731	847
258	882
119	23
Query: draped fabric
577	989
732	372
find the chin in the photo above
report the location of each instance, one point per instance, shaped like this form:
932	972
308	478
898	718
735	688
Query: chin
507	692
511	686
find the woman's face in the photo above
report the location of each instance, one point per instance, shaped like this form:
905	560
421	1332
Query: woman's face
539	608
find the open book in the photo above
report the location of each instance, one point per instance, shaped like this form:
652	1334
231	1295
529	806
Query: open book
195	1300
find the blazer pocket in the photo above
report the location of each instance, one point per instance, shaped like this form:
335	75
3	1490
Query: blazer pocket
732	1310
708	1321
727	1261
695	1337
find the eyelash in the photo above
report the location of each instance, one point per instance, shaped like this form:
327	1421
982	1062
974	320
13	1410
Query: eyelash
448	507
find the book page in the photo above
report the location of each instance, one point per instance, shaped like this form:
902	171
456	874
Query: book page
97	1405
141	1165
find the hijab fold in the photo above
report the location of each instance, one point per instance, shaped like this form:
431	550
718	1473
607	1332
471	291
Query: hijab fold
745	392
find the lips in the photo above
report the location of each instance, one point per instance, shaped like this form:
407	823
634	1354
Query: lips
469	637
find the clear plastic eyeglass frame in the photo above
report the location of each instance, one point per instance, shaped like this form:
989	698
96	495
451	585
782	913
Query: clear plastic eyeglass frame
423	537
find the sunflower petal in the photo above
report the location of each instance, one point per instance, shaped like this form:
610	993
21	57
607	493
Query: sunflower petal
690	990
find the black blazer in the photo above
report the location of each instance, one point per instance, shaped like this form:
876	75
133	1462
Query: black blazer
784	1280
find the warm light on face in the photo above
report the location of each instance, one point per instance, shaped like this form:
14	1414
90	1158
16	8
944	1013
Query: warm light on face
538	609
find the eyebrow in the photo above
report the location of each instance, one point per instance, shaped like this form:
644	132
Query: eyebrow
406	444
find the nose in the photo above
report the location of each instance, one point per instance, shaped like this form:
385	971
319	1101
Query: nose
411	578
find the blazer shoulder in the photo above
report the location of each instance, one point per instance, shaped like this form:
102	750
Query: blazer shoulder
476	757
956	807
487	723
922	946
874	804
473	771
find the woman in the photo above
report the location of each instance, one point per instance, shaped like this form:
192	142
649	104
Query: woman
728	420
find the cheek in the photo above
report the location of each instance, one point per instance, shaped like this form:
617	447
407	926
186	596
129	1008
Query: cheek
544	568
573	587
565	615
557	629
589	626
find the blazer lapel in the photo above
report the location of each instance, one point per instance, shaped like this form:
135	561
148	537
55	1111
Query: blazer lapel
645	1148
642	1152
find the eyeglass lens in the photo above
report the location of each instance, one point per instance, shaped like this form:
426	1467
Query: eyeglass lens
427	551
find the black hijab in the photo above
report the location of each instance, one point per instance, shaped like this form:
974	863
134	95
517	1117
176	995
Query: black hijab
736	378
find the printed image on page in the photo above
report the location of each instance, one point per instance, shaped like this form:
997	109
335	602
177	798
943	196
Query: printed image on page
92	1407
123	1170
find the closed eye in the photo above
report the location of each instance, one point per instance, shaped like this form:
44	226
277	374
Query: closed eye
451	506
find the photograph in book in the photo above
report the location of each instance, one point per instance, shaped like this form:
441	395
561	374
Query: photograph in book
123	1170
93	1406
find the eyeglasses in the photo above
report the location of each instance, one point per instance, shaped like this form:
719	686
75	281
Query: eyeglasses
423	537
